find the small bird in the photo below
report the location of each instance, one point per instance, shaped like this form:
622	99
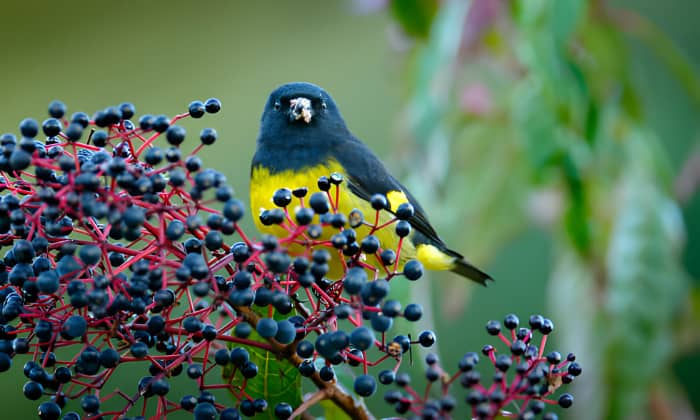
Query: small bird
302	138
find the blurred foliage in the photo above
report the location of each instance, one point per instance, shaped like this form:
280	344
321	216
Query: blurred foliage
415	16
532	109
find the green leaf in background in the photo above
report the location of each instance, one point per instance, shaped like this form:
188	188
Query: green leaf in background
491	180
645	286
572	298
565	16
415	16
576	217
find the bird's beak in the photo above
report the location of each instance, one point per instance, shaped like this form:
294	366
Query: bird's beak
300	109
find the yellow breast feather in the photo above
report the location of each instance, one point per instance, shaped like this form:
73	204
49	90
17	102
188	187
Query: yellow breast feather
264	183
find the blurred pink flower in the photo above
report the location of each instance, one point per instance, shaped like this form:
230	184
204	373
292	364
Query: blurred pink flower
476	99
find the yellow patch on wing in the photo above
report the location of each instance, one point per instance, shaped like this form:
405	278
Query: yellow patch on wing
434	259
396	198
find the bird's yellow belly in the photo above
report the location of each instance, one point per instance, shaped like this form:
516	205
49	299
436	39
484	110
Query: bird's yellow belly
263	185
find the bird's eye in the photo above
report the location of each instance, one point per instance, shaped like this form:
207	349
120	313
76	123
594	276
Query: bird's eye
323	105
277	105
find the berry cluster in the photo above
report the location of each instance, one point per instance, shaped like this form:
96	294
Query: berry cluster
118	255
524	377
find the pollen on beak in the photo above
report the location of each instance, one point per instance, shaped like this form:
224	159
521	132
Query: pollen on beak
300	109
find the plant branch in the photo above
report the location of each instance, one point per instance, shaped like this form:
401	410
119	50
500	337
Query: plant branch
331	389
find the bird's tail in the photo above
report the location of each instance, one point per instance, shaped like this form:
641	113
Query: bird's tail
465	269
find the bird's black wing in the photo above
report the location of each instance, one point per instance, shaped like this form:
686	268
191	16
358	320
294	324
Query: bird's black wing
367	176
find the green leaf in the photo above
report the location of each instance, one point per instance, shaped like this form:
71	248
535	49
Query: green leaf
277	379
536	123
415	16
332	411
564	18
645	286
576	217
671	55
573	299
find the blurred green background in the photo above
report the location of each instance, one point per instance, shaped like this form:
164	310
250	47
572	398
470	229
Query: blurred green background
554	142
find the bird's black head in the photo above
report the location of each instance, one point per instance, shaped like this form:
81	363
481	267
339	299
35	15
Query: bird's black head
299	110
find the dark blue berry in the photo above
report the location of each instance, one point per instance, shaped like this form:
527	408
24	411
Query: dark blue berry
229	414
233	210
109	358
536	321
49	411
370	244
381	323
575	369
57	109
391	308
365	385
192	324
324	184
222	357
175	135
566	400
160	123
403	228
518	347
319	203
386	377
379	202
355	278
283	411
205	411
511	321
90	404
74	131
51	127
194	371
404	211
306	368
74	327
139	350
554	357
208	136
326	373
427	338
413	312
432	374
286	332
90	254
33	390
249	369
413	270
547	326
126	110
29	128
239	356
212	105
503	362
196	109
493	327
305	349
